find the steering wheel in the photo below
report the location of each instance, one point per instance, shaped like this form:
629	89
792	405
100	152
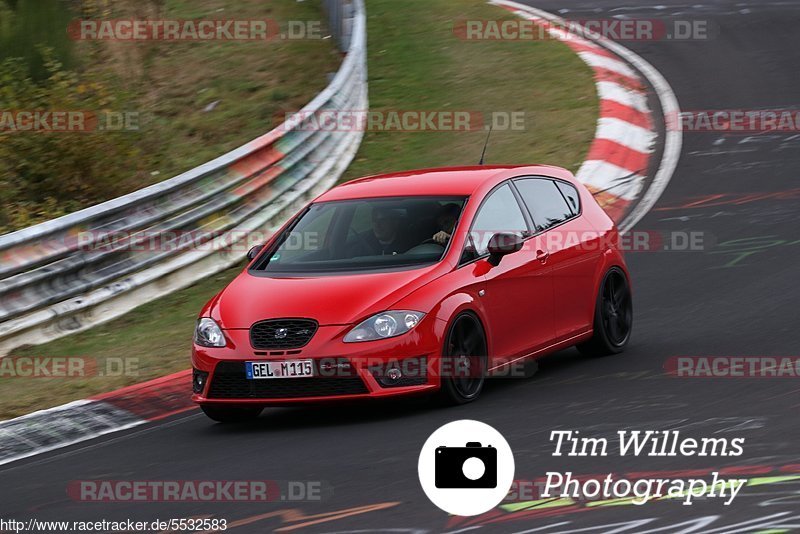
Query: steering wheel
431	242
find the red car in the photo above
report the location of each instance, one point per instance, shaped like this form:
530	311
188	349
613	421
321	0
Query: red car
416	282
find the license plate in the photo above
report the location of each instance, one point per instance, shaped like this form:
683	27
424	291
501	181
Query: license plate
286	369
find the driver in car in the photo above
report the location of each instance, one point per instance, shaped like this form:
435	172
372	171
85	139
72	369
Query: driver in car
385	238
446	222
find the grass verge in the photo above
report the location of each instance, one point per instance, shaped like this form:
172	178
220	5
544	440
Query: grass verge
415	63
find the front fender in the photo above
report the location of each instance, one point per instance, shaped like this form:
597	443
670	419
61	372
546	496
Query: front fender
451	294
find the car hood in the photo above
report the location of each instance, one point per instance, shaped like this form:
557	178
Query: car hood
331	300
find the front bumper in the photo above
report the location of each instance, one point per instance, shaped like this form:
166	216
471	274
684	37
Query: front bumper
342	371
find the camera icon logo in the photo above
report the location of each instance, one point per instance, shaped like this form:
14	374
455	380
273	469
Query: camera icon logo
466	467
472	466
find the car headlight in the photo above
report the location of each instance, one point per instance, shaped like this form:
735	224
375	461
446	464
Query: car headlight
384	325
207	333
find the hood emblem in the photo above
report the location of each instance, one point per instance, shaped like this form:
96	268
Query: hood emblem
281	333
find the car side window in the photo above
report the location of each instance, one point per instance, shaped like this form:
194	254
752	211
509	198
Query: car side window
571	194
545	202
500	212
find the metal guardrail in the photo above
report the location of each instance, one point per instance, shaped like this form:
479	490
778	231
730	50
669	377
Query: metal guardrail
56	278
340	15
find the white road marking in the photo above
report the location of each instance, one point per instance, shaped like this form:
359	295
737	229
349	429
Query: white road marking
602	62
623	95
607	176
16	428
625	133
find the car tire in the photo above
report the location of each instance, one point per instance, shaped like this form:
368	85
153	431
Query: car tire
613	316
465	352
231	414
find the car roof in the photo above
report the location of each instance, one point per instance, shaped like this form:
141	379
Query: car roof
445	181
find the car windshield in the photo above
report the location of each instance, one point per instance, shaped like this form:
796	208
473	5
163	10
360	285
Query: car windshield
365	234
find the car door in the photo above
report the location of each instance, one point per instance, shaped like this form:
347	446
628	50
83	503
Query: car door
519	293
555	208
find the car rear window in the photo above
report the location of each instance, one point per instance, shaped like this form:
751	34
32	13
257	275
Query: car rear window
544	200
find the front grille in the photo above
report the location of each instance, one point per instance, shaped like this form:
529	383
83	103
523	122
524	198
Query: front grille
229	382
282	333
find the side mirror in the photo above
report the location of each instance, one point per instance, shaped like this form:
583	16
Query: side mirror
253	252
502	244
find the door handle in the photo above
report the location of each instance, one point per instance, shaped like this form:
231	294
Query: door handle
542	256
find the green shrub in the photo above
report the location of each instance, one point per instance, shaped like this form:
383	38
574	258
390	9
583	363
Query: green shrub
44	174
27	24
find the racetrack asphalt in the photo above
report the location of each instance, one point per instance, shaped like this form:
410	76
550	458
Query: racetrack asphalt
734	298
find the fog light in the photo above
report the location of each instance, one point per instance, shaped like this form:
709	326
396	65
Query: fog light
405	373
394	374
199	379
